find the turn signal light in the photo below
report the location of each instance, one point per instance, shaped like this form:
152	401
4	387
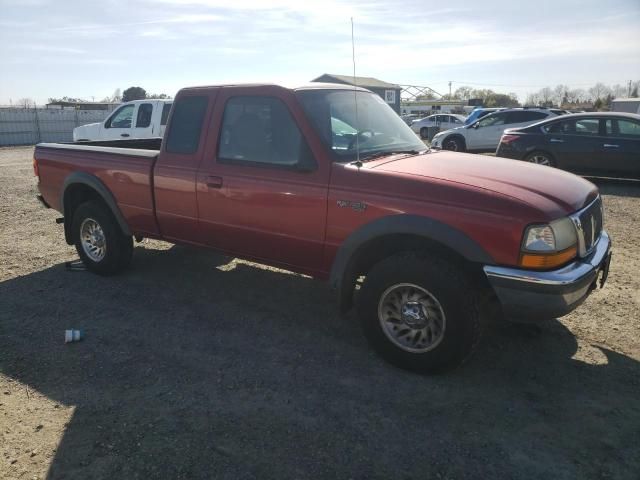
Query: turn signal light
545	261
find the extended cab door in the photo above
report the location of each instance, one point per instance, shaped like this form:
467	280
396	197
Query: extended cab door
177	165
143	120
261	191
118	126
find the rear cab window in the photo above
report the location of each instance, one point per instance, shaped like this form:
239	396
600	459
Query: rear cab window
186	124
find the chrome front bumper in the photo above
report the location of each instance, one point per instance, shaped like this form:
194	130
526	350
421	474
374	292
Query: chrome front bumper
552	294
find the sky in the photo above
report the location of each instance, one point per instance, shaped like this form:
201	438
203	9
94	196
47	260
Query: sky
88	48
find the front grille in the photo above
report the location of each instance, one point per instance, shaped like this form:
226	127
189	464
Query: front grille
591	225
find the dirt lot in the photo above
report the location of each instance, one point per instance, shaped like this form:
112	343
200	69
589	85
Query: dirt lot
196	366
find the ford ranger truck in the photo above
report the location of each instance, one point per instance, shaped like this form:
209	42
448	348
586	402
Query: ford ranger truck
420	242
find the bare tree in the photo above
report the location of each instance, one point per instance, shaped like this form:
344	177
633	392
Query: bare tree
599	90
560	94
26	103
117	96
463	93
546	95
619	91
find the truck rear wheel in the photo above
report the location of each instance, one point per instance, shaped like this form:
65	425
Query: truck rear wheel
99	241
420	312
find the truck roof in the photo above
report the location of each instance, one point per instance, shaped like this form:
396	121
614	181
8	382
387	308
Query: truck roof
294	87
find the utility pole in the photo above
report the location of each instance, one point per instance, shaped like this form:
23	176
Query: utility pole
629	94
450	89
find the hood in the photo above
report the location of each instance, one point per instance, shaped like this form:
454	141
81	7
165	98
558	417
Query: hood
553	191
90	131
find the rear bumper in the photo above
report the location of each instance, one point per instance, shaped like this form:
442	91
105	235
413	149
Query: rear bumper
540	295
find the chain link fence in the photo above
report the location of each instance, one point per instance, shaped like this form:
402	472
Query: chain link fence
21	126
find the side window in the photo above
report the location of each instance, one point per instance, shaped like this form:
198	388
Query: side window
143	119
587	126
261	131
121	117
494	119
628	128
186	124
165	113
523	116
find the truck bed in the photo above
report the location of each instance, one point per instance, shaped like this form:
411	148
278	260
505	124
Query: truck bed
125	167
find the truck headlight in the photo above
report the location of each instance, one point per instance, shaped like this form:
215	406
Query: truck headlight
549	245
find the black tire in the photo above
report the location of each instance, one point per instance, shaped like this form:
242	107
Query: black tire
537	156
424	133
458	299
455	144
119	247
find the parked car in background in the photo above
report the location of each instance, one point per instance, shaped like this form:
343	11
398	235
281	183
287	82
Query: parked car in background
586	143
444	122
478	113
409	118
484	135
136	119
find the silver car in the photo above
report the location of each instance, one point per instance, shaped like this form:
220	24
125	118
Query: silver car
445	122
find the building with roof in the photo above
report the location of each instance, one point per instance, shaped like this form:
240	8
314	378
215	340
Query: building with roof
629	105
390	92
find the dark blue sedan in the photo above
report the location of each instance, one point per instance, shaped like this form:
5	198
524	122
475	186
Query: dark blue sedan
585	143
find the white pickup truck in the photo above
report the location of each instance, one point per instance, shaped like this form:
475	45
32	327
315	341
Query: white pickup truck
136	119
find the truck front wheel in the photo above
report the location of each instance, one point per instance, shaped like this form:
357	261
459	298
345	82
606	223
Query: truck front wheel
419	312
99	241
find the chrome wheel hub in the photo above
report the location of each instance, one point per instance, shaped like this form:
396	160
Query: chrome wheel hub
93	241
411	317
540	160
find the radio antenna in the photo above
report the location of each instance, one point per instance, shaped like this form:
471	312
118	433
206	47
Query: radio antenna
355	94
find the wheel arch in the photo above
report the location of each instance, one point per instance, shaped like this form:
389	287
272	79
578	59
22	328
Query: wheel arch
457	136
80	187
393	234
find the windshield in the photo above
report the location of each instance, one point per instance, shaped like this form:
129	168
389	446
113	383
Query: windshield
375	129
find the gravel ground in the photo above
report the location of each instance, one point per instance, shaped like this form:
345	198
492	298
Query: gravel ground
199	366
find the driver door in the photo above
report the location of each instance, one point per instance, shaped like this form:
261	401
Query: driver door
118	125
486	132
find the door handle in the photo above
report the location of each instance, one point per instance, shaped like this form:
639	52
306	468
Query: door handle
609	145
124	134
214	182
556	140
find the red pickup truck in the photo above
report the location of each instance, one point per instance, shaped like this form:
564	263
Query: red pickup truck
328	181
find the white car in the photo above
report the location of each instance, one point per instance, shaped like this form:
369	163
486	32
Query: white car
484	135
136	119
445	122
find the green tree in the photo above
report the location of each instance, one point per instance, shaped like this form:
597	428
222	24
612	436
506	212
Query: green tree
159	96
134	93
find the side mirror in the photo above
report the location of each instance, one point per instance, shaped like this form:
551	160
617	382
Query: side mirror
476	125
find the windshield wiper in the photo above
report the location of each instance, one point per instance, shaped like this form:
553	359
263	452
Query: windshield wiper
373	156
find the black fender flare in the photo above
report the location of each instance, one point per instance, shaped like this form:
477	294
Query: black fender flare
101	189
408	224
